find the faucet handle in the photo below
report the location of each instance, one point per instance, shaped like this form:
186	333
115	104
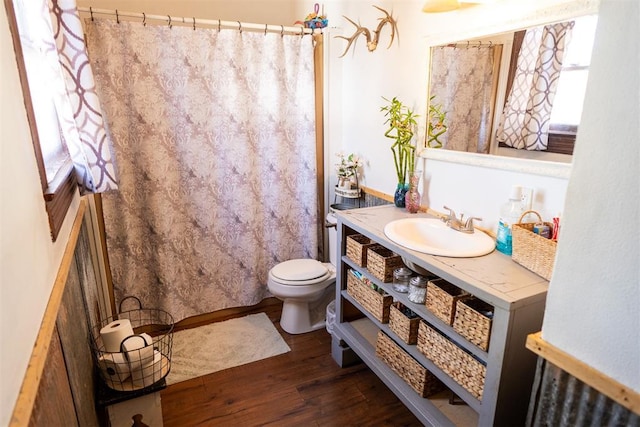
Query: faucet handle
469	224
452	213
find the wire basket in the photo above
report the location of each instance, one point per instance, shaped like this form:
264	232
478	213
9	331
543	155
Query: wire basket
142	358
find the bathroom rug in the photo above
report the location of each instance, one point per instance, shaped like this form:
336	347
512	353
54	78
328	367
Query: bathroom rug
217	346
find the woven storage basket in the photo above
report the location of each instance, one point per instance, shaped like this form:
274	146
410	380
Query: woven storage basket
404	327
382	261
412	372
441	299
473	321
375	303
462	367
357	245
531	250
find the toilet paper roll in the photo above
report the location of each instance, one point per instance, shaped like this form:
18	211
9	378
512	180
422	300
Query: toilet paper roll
114	366
147	375
113	334
138	350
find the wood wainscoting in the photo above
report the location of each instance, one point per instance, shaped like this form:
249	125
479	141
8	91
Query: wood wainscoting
58	387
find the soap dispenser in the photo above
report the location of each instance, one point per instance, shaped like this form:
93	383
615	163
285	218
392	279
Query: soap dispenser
510	214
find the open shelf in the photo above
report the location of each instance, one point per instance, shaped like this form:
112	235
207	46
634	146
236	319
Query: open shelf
423	312
507	369
416	354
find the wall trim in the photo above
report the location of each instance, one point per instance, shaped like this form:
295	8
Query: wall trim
513	164
611	388
29	389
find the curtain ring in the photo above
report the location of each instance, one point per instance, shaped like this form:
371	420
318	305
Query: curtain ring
169	16
240	27
301	32
144	19
265	29
281	30
91	12
218	25
117	17
194	23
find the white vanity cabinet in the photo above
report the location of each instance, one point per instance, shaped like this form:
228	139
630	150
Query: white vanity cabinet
516	294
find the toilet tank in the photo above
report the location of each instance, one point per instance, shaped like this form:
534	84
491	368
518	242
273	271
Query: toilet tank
333	238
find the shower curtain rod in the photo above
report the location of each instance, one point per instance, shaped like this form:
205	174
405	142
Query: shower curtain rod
215	23
470	44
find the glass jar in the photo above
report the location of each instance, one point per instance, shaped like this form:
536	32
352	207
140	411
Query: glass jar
401	278
418	289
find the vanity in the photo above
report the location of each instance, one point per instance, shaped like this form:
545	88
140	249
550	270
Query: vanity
506	368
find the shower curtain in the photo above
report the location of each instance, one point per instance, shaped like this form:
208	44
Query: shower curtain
463	80
214	134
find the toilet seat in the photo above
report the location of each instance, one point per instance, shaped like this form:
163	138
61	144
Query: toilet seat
299	272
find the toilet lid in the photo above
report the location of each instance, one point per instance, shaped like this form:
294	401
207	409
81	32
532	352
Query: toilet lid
299	270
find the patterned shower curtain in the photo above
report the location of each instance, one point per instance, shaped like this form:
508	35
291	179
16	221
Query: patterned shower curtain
527	114
214	135
463	81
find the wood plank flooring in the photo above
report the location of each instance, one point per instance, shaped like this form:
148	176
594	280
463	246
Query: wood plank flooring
304	387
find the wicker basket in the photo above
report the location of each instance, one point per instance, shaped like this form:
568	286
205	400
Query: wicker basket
531	250
412	372
382	261
406	328
441	299
473	321
357	245
462	367
375	303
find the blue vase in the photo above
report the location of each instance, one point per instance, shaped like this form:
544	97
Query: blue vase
399	195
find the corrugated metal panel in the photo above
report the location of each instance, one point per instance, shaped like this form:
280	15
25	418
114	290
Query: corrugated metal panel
560	399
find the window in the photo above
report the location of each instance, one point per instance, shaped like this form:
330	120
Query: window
41	79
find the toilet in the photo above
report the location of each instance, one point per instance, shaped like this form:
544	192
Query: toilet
306	287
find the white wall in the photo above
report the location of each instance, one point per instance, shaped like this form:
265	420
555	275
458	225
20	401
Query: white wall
28	259
402	71
592	307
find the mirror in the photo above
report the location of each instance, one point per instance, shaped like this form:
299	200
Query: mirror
470	79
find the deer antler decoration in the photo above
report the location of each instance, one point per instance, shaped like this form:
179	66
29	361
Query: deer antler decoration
372	44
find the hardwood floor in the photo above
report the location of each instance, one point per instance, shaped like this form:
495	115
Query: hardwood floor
304	387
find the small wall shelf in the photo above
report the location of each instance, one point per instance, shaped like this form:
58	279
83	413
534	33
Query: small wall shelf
353	193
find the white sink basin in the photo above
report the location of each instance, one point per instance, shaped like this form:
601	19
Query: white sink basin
434	237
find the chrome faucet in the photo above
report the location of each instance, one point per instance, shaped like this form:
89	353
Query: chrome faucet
453	222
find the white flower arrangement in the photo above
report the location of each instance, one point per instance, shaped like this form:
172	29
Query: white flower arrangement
347	168
348	165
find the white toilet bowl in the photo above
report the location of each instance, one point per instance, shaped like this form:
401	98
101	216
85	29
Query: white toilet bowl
306	287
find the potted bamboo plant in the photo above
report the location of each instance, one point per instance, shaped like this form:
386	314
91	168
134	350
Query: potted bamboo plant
436	124
402	124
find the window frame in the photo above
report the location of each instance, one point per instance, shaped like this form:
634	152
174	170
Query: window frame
59	196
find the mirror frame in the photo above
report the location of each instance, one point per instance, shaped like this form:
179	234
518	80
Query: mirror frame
551	14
